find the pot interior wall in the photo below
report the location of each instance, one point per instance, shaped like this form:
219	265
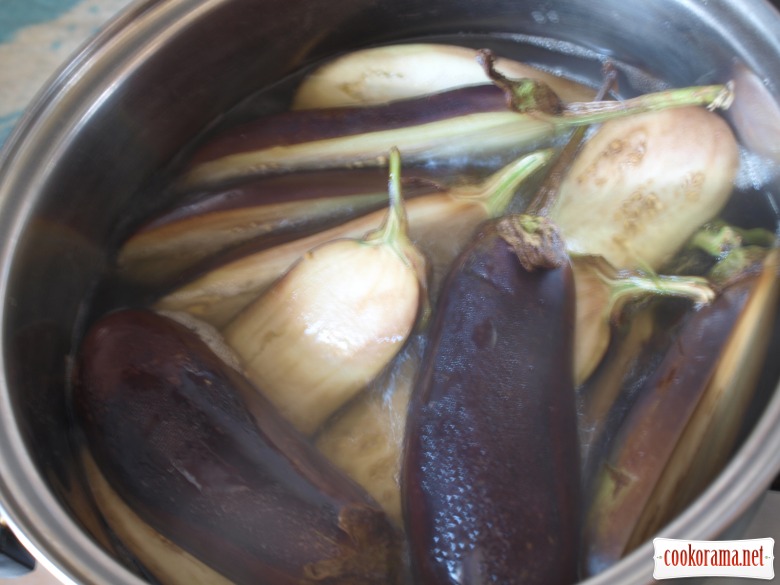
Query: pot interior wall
95	151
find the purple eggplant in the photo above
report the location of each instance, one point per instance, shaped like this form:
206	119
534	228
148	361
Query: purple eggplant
491	473
439	223
472	123
205	461
685	414
266	211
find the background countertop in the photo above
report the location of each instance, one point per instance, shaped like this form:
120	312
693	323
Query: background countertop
37	37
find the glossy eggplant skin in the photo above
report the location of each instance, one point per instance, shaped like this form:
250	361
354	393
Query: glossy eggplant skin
472	122
295	127
491	464
227	480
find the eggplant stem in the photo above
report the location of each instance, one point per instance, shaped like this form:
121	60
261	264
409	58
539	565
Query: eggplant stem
711	96
716	241
719	238
535	240
498	190
735	249
522	95
395	224
547	194
536	98
631	286
736	264
394	233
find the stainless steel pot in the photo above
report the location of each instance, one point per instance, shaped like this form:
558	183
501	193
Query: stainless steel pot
79	164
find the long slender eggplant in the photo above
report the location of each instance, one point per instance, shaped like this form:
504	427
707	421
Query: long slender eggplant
206	462
639	340
710	437
384	74
267	211
491	467
697	393
474	123
168	563
439	224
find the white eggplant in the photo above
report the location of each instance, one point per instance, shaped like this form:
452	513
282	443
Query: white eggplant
395	72
643	185
365	441
335	320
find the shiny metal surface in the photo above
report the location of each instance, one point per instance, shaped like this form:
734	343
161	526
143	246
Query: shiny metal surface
80	166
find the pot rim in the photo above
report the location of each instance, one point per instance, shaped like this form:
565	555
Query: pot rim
38	519
42	524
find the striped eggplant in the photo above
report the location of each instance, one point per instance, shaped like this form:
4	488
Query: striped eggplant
711	435
267	211
638	341
439	223
159	557
472	123
196	455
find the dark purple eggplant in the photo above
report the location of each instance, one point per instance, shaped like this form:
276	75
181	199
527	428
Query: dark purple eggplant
205	461
491	476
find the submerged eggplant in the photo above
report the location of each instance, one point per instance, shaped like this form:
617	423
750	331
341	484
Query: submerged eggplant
327	328
643	185
365	440
267	211
711	435
602	292
439	224
160	558
384	74
638	341
469	123
696	395
192	449
491	473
